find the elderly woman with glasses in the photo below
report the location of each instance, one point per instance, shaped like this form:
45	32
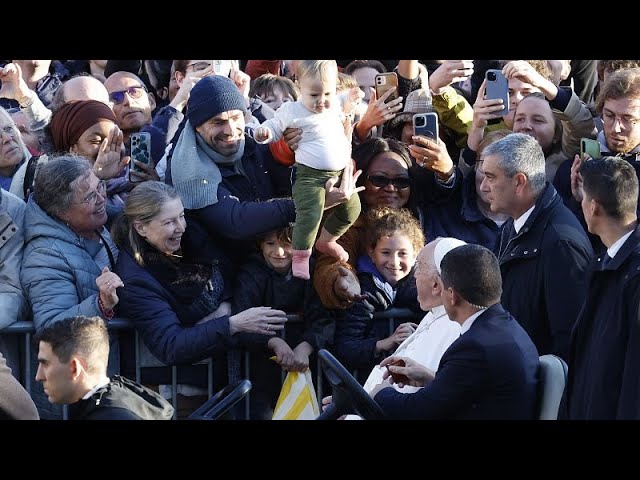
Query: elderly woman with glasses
13	151
69	255
390	180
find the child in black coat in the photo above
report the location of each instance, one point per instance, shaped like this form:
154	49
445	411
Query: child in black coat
266	280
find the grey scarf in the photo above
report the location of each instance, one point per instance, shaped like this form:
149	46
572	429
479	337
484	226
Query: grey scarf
194	169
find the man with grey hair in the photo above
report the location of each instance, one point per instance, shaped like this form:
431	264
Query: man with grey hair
543	250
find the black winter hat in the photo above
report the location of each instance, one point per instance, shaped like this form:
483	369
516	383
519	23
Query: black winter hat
212	95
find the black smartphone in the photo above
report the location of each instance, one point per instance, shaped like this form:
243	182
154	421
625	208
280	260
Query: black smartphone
426	125
140	151
497	87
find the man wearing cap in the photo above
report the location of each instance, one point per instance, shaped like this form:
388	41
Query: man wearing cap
490	372
223	177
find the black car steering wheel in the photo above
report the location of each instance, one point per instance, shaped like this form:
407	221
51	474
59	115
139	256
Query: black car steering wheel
348	395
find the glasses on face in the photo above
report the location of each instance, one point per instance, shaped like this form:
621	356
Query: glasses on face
198	66
380	181
610	118
92	197
134	92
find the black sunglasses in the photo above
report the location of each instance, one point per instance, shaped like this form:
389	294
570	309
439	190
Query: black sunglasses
400	183
133	92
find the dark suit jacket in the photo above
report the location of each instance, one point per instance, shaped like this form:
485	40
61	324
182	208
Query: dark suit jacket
489	373
604	354
544	272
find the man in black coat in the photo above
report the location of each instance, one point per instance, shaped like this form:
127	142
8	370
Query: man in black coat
72	366
543	250
604	354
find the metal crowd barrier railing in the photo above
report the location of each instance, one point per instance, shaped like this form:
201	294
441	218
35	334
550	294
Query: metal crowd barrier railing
27	329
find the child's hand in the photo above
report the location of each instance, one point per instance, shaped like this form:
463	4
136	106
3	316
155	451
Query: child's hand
301	357
284	355
262	134
403	331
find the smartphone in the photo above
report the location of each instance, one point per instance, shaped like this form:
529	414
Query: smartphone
590	147
384	82
497	87
426	124
140	151
221	67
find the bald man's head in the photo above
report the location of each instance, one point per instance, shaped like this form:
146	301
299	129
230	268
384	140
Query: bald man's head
81	87
85	88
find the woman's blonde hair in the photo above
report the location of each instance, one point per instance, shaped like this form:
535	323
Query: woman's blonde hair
143	204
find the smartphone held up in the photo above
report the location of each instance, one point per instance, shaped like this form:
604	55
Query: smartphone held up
497	87
590	147
384	82
141	152
426	125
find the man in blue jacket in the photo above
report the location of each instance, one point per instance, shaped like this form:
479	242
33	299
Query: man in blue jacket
490	372
543	250
604	354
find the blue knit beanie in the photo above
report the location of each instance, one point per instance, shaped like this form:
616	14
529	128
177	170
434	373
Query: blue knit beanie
213	95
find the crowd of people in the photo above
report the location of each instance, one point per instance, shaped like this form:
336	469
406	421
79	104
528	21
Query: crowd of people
295	187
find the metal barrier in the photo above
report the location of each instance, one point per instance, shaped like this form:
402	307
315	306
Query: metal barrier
27	329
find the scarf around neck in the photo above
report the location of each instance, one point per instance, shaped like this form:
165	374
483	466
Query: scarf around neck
185	279
195	171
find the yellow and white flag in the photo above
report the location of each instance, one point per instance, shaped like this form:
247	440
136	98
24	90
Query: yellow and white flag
297	400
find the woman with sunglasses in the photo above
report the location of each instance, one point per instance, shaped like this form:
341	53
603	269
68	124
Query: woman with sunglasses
390	180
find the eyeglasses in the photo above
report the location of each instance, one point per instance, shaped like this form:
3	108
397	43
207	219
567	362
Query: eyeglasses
134	92
199	66
92	198
626	121
400	183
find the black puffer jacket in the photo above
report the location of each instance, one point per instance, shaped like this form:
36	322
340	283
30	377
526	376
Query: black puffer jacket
122	399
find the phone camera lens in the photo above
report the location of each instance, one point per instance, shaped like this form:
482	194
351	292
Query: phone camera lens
491	76
421	122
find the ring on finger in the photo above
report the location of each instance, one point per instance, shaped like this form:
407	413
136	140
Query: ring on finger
268	326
